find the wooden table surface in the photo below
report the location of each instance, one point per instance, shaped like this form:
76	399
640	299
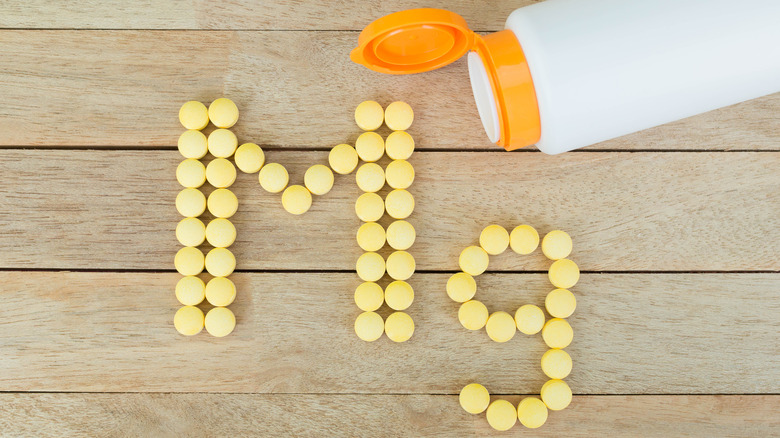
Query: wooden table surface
676	230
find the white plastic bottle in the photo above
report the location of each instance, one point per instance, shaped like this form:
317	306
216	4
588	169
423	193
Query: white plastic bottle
565	74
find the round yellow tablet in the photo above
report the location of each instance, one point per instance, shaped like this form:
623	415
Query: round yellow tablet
399	327
399	295
193	144
399	174
560	303
194	115
220	322
399	204
249	158
474	398
529	319
370	146
220	291
296	199
401	235
222	143
223	113
399	116
189	261
188	320
190	290
220	262
461	287
399	145
556	245
191	173
220	173
473	315
501	415
369	296
369	207
532	412
473	260
494	239
190	231
400	265
273	177
370	177
191	202
318	179
223	203
524	239
500	326
369	115
557	333
371	236
556	394
370	266
564	273
369	326
556	364
343	159
220	233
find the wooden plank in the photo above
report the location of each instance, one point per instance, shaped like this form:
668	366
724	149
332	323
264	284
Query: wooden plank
625	211
171	415
294	89
634	334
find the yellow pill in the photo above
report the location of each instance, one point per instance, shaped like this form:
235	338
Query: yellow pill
524	239
564	273
400	265
473	315
220	233
273	177
249	158
189	261
343	159
220	262
474	398
191	202
220	322
399	116
369	326
318	179
557	333
190	290
194	115
296	199
494	239
220	291
501	327
399	174
369	115
220	173
399	145
556	245
369	296
193	144
556	364
191	173
529	319
370	177
399	204
400	235
222	143
399	295
556	394
370	266
501	415
188	320
370	146
223	113
532	412
369	207
371	236
399	327
560	303
223	203
190	231
473	260
461	287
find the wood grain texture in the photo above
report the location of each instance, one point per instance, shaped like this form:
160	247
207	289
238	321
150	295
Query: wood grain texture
294	89
634	334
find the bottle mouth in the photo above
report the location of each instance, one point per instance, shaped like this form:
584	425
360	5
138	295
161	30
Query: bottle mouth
483	95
